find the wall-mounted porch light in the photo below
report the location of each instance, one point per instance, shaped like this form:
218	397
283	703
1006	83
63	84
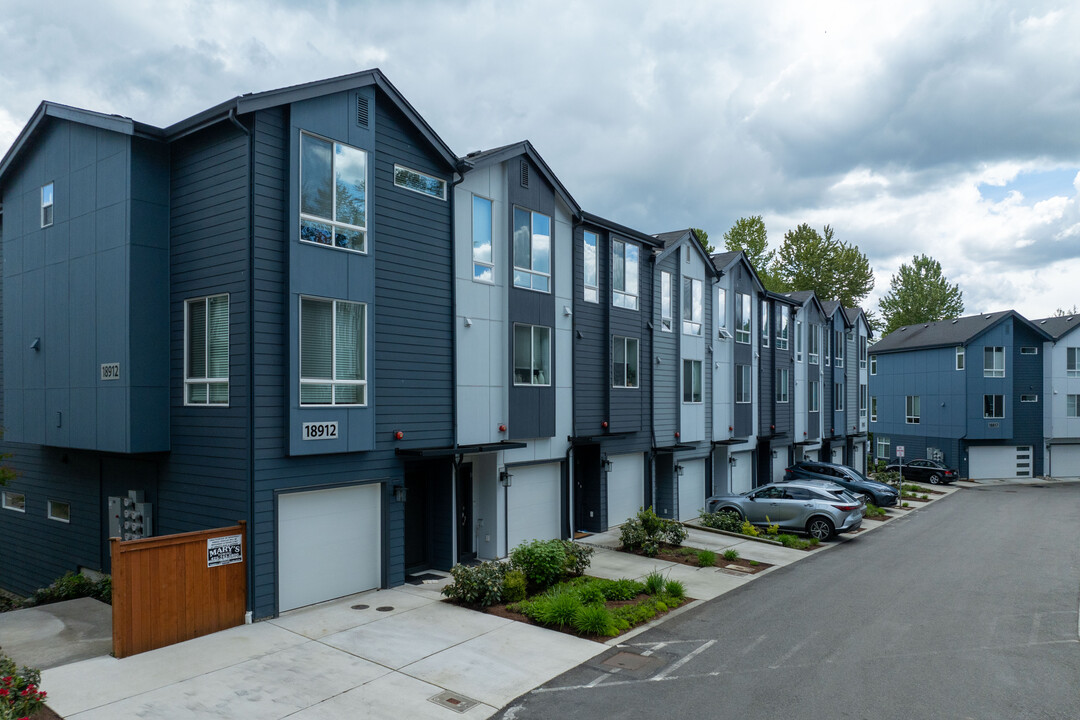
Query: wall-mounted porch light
678	469
605	463
505	478
400	493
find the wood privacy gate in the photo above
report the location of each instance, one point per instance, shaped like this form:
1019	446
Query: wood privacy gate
177	587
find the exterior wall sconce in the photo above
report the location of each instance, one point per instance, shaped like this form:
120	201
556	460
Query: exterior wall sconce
505	478
678	469
605	463
775	454
732	461
400	493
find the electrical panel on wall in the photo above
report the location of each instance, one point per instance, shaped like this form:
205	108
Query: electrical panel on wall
130	517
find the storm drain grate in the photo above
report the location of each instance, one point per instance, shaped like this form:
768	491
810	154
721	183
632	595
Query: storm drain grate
454	701
384	608
628	661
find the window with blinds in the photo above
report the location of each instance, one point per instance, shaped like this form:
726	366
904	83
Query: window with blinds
333	352
206	361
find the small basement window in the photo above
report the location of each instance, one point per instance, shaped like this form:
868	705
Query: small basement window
13	501
59	511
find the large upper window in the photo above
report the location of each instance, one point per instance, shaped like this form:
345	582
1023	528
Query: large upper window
624	274
884	447
47	205
798	340
814	397
333	194
994	362
691	381
993	406
665	301
743	386
590	270
781	385
783	328
206	360
417	181
483	264
1072	406
840	348
1072	362
333	352
838	397
742	318
960	358
691	306
532	250
912	410
813	350
624	362
532	355
765	329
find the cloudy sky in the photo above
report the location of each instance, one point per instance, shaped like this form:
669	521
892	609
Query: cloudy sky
951	129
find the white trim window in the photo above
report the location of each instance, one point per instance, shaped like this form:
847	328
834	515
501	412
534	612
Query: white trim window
665	301
765	328
884	447
692	381
1029	398
691	306
1072	362
742	318
624	274
624	362
838	397
783	329
13	501
862	351
59	511
993	406
814	397
333	352
206	356
590	268
828	345
743	384
798	340
532	355
813	350
960	357
873	364
863	394
483	260
912	409
333	194
873	409
994	361
418	182
47	205
840	348
532	250
1072	407
721	308
781	393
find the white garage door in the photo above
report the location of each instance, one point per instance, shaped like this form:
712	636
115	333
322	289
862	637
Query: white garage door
1065	460
329	544
742	473
691	489
534	504
625	487
1008	461
779	464
858	458
811	455
837	456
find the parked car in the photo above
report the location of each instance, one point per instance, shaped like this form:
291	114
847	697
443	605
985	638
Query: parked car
820	508
850	479
931	471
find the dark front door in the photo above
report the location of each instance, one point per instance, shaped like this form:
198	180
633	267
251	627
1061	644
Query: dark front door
416	525
588	489
464	497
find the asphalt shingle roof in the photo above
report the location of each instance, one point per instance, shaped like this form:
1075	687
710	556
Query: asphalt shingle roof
941	333
1057	326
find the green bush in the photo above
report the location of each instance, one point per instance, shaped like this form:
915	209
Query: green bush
515	586
594	620
636	614
480	585
578	558
675	589
706	558
558	607
731	554
814	542
654	583
889	478
20	689
873	510
646	531
591	593
542	561
748	529
70	587
726	521
621	589
793	542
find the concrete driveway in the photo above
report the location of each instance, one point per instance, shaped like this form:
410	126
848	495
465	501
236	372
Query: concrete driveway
52	635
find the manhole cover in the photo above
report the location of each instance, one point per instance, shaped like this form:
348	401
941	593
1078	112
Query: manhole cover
384	608
360	607
454	701
628	661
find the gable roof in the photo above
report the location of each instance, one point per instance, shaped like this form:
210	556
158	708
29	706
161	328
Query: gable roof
615	227
483	158
723	262
676	238
948	333
1058	327
853	315
801	297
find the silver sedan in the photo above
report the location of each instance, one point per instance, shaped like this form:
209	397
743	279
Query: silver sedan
821	509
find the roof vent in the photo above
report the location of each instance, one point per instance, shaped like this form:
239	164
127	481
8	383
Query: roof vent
524	173
362	111
1069	319
988	317
1042	322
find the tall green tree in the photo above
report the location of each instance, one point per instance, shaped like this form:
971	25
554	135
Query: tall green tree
835	270
920	293
1062	312
748	234
702	237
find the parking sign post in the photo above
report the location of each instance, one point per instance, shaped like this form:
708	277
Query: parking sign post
900	458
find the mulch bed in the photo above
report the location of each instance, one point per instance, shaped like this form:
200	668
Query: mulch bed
45	713
502	611
673	555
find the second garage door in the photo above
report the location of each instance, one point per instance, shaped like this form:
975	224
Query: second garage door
742	472
534	501
1065	461
625	487
691	489
999	461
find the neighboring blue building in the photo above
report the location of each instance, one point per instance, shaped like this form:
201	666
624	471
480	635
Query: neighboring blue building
1061	396
966	391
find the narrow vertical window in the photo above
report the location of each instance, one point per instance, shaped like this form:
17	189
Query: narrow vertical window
862	399
206	360
765	328
781	385
912	410
828	347
333	352
960	358
483	265
814	404
838	397
840	348
691	306
47	205
873	364
665	301
721	307
994	362
624	274
532	355
742	318
813	351
691	381
743	379
862	351
333	194
532	250
590	271
783	328
798	340
873	409
624	362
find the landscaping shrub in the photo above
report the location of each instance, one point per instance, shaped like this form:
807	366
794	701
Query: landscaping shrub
594	620
646	530
726	521
542	561
578	558
480	585
621	589
558	607
636	614
889	478
515	585
70	587
591	593
793	542
706	558
747	529
654	583
675	589
20	693
731	554
873	510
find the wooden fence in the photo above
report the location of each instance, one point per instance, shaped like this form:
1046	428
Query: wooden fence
176	587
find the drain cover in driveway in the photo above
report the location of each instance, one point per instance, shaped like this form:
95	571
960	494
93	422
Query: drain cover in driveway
628	661
454	701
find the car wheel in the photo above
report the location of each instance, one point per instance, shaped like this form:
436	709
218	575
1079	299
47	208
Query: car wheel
935	479
869	499
820	528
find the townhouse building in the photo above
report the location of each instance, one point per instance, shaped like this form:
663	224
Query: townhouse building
776	417
809	318
1061	396
857	380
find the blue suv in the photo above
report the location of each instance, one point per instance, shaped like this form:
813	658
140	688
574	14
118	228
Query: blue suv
850	479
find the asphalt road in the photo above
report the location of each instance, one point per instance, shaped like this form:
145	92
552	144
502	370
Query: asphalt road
967	608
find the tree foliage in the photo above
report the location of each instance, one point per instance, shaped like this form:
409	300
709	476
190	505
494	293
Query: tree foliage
1062	312
703	237
835	270
748	235
920	293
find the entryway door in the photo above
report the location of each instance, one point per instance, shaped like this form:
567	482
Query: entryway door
329	544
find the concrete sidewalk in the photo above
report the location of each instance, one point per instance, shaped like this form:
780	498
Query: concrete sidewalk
380	654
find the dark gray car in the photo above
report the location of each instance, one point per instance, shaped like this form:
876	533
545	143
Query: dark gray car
818	508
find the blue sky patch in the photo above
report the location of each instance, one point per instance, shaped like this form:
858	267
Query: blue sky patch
1034	186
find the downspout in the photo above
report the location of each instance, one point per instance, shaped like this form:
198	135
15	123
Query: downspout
574	220
455	457
652	387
